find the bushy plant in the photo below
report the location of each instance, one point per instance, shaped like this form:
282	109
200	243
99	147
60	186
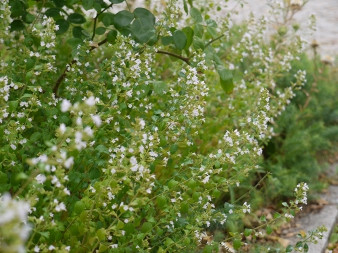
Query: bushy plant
307	127
123	132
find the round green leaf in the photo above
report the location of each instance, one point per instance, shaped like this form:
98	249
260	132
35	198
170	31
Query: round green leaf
196	15
17	8
111	36
141	32
189	33
167	40
146	227
52	12
76	18
180	40
100	30
63	26
29	18
123	19
107	19
148	19
59	3
87	4
17	25
161	201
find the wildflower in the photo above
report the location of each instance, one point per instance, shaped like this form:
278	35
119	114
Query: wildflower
97	120
40	178
65	105
90	101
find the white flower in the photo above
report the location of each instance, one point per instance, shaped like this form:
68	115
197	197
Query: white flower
97	120
60	207
88	131
65	105
62	128
69	162
13	146
40	178
36	249
142	123
90	101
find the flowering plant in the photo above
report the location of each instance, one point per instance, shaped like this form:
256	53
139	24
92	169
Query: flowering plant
109	122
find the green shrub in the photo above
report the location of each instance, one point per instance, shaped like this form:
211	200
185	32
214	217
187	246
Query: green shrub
128	133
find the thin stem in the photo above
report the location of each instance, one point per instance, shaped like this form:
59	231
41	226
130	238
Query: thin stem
185	59
213	40
97	15
251	189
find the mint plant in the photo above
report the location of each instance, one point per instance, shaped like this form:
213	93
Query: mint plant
124	132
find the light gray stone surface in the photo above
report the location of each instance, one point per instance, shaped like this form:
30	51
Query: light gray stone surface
326	12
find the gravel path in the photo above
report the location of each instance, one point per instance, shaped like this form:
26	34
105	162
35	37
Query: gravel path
326	12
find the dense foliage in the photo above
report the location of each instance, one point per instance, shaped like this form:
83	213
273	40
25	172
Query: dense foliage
123	132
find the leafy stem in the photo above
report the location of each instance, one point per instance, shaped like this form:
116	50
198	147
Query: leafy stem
96	17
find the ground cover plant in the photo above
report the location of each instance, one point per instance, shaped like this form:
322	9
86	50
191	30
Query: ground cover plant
128	129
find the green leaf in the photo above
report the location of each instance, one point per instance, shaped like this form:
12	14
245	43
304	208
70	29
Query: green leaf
185	6
100	30
59	3
196	15
198	43
161	201
74	42
247	232
77	32
111	36
101	234
76	18
180	39
172	183
199	30
306	247
237	244
17	25
116	1
226	78
276	215
173	148
79	207
29	18
123	19
268	230
289	249
52	12
17	8
189	33
3	178
142	28
146	227
87	4
168	241
63	26
167	40
148	19
141	32
107	19
285	204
